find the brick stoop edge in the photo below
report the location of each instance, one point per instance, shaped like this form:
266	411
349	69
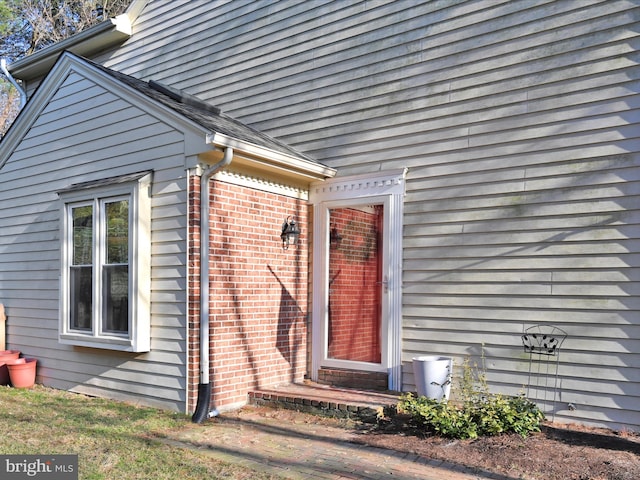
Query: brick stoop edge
364	413
340	377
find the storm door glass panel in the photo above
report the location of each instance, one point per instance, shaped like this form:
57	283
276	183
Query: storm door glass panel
355	283
81	269
115	278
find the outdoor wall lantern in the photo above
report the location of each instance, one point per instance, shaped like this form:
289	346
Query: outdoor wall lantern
334	238
290	233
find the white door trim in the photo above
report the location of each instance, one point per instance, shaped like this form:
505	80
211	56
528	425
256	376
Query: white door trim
383	187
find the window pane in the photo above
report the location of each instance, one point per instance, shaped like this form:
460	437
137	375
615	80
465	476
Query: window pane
115	315
81	302
117	232
82	235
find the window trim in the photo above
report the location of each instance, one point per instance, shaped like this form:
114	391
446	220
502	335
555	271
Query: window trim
135	187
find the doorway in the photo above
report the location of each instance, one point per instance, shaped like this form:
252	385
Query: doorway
356	313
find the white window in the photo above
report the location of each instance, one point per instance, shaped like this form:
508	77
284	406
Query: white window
105	279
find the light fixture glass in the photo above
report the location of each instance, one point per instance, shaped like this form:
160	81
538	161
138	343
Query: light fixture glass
290	232
334	238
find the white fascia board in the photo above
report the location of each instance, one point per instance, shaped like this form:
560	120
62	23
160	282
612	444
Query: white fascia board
268	157
100	36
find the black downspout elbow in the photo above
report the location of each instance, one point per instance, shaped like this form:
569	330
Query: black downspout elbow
204	399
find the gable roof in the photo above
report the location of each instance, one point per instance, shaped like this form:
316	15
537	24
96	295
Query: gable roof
211	129
202	113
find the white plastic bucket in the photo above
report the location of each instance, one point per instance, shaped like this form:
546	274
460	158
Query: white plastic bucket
433	376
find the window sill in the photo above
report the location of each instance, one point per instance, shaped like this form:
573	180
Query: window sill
106	343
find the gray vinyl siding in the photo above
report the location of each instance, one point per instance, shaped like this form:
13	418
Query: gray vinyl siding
517	119
518	122
86	133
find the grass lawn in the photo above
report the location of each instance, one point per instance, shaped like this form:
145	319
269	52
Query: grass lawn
113	440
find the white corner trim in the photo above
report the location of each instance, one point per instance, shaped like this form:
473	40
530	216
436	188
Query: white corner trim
262	184
135	9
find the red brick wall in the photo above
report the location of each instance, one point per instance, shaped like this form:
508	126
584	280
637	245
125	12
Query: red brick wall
354	305
258	293
193	293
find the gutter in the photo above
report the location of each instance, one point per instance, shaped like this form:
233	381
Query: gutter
280	161
23	94
99	37
203	411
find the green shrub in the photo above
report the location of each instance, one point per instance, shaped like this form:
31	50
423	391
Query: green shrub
478	413
440	417
494	415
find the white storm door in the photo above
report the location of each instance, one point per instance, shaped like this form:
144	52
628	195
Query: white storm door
357	257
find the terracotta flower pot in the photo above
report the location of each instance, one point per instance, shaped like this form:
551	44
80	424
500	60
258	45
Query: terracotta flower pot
22	372
10	353
5	356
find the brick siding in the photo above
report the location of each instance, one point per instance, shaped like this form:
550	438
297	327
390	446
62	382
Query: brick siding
258	292
358	379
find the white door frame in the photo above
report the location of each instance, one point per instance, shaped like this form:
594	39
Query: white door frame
386	188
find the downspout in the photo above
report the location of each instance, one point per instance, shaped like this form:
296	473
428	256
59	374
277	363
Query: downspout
203	411
23	94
